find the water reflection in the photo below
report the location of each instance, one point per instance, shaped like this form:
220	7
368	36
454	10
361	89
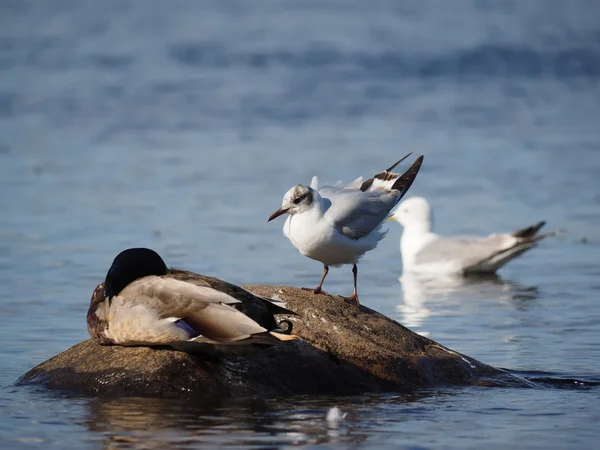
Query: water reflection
250	422
166	423
425	295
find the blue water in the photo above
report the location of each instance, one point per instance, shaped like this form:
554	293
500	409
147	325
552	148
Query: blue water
180	125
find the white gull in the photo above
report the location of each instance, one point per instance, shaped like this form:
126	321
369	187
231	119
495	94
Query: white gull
423	251
338	224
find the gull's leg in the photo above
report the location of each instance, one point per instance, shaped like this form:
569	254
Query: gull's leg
354	298
318	289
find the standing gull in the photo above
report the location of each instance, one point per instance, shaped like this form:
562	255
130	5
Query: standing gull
338	224
426	252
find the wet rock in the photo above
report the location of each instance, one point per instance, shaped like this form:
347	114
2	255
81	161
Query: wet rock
344	350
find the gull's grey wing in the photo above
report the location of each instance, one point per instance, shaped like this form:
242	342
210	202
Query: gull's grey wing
328	190
356	184
468	251
359	208
356	214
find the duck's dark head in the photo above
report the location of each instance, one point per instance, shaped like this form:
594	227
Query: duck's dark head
130	265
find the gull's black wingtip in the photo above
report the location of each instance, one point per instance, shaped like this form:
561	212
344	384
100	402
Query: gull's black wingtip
397	162
405	181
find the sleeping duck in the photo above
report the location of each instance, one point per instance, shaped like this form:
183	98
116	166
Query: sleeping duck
142	302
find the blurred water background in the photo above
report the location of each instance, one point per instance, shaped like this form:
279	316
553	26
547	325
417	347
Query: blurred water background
179	126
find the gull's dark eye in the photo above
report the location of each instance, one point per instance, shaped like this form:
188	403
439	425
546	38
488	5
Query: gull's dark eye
298	199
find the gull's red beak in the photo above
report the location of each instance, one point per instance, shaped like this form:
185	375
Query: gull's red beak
278	213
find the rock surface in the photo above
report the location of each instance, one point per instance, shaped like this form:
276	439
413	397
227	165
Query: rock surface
344	350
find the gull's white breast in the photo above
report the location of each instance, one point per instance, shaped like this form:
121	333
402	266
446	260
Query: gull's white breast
317	238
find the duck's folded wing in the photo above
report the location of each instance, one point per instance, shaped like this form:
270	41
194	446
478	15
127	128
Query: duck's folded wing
200	311
225	325
248	300
174	293
222	323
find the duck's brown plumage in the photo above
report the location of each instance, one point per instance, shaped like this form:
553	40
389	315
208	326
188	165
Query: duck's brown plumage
142	302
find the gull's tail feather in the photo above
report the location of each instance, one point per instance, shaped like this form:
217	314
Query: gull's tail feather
390	181
529	231
529	234
525	240
539	237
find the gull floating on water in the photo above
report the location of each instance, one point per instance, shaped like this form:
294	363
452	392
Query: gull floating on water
142	302
424	251
338	224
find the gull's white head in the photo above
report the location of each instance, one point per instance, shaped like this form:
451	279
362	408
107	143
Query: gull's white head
295	201
413	212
